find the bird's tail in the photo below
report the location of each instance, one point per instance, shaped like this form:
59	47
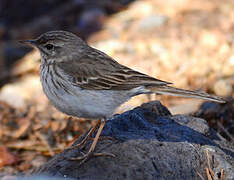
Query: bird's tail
184	93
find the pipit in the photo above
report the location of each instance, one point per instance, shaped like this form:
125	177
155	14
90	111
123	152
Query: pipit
82	81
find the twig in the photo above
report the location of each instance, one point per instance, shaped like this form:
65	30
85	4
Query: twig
208	174
225	131
222	174
209	167
44	141
199	174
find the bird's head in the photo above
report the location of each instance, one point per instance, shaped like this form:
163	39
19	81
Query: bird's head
57	45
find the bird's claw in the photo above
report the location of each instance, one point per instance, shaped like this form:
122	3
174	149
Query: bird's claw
85	157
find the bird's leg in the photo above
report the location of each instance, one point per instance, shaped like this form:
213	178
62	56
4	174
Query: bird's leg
97	136
91	150
88	135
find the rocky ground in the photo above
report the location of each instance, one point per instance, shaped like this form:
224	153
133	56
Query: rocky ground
148	143
188	43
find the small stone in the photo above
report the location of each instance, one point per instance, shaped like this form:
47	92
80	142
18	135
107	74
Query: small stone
231	60
38	161
16	94
151	22
222	88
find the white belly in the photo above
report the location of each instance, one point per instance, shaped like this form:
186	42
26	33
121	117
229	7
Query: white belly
78	102
92	104
88	103
84	103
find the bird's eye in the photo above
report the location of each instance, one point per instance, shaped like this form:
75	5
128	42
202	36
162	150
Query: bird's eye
49	46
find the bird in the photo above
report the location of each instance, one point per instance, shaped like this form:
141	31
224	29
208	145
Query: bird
84	82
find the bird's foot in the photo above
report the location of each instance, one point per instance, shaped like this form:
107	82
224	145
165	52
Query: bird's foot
90	153
102	138
86	157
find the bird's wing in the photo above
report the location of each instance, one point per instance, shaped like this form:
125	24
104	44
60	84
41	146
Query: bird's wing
104	73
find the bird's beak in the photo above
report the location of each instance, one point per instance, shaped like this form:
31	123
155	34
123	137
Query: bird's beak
28	42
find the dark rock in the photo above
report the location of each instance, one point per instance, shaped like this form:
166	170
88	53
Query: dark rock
149	143
219	117
90	21
13	51
33	178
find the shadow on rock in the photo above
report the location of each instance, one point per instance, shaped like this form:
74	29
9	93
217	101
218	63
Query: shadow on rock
149	143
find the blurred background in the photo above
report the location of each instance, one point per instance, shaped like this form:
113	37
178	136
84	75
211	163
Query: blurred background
189	43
